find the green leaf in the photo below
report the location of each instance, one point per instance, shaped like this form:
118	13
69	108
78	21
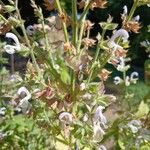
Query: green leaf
65	76
142	110
9	8
121	144
108	26
145	147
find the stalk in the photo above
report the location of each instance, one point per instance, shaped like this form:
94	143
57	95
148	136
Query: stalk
81	22
85	10
74	40
27	41
63	23
95	58
134	6
46	38
74	22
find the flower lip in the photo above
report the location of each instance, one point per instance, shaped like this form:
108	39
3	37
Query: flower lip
119	33
66	117
24	90
12	48
30	30
117	80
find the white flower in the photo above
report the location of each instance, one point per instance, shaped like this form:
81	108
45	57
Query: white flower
125	10
57	67
145	43
99	117
119	33
127	81
15	77
2	134
66	117
10	49
82	86
148	5
121	64
134	125
134	77
24	103
98	133
85	118
136	19
102	147
117	80
30	30
2	111
87	96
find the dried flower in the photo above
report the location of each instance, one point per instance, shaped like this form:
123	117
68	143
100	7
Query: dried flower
94	4
120	53
133	26
88	42
69	47
98	4
82	4
5	27
104	74
63	16
49	4
88	25
10	49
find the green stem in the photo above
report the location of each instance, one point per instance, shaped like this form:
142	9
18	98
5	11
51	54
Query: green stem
95	58
85	11
63	23
81	22
27	41
46	38
74	22
81	34
132	10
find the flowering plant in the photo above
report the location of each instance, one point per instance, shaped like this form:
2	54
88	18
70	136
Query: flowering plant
60	99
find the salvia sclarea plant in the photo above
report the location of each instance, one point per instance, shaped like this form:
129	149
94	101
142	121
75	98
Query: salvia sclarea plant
60	101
